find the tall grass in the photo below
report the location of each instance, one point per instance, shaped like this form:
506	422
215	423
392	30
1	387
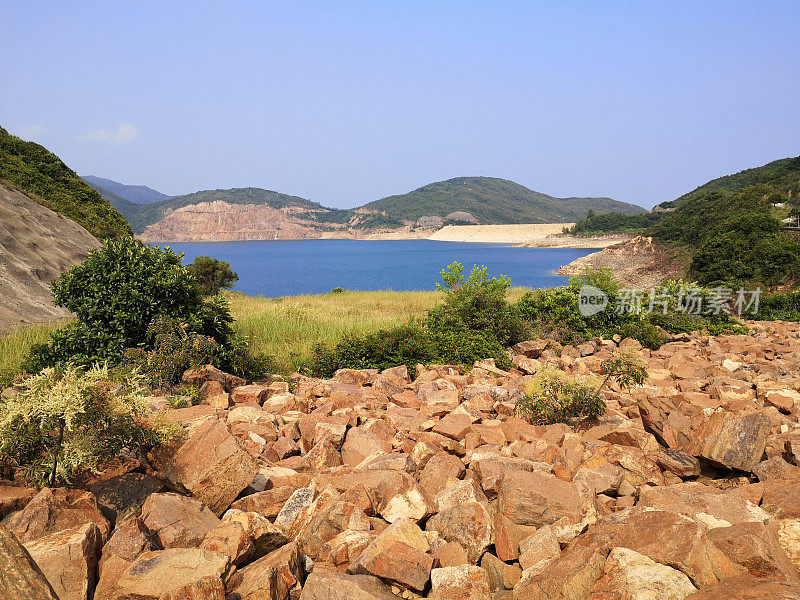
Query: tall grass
14	347
288	328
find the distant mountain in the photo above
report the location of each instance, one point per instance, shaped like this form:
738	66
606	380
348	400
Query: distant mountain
490	201
35	170
138	194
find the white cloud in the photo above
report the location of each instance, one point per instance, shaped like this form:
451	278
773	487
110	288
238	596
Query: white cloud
124	133
29	132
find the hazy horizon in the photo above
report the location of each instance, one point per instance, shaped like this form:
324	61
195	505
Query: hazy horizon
345	103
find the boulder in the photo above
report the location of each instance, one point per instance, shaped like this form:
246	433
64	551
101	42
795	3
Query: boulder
748	588
679	462
212	466
322	585
124	495
272	576
733	440
14	498
265	536
470	524
178	521
230	539
20	577
464	582
68	559
628	575
538	499
54	510
757	547
154	574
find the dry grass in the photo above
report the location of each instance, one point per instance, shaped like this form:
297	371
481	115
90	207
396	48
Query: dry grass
14	347
286	328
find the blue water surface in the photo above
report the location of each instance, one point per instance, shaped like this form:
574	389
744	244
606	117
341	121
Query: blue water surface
291	267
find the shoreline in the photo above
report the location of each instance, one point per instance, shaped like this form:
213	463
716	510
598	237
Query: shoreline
524	235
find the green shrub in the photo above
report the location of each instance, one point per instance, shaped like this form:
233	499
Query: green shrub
785	306
554	397
62	423
212	275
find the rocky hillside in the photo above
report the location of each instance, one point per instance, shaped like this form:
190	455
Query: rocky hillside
138	194
378	486
40	173
254	213
36	246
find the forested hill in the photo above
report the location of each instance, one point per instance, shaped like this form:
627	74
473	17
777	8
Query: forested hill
491	200
38	172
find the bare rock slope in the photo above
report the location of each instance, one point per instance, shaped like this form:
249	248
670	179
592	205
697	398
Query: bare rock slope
36	245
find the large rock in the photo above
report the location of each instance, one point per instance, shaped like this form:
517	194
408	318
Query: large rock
68	560
124	495
536	499
702	503
154	574
748	588
464	582
628	575
470	524
733	440
212	466
271	576
322	585
756	547
20	578
54	510
178	521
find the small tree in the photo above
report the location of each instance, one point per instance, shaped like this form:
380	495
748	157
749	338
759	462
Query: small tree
212	275
626	368
62	423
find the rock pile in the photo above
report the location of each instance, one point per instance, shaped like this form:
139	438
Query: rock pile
378	485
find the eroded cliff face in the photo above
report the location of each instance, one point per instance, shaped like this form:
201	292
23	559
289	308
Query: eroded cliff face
224	222
36	246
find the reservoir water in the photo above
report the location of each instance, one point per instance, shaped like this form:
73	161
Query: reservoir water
290	267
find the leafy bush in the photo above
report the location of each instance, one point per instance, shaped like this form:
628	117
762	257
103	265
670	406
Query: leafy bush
61	423
554	397
785	307
594	224
212	275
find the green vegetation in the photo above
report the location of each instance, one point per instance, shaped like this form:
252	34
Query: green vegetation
554	397
16	345
729	227
117	293
212	275
61	423
491	200
41	174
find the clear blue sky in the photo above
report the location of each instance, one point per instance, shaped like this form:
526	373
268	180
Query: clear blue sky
346	102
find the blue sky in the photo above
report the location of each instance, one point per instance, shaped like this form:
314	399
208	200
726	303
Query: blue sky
347	102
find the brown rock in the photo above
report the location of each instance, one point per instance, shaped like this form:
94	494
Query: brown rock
154	574
271	576
679	462
734	440
231	539
249	394
20	578
209	588
538	499
124	495
68	559
454	426
781	499
464	582
756	547
267	503
471	525
451	554
178	521
628	575
507	536
539	549
212	466
502	576
702	503
748	588
265	536
14	498
53	510
360	443
338	586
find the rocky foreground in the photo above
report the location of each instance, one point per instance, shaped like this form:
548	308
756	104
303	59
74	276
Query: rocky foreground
374	485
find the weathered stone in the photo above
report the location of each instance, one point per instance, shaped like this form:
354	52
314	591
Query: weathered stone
345	547
322	585
178	521
464	582
451	554
271	576
68	559
212	466
679	462
249	394
502	576
470	524
20	577
266	537
748	588
124	495
208	588
267	503
628	575
538	499
299	499
734	441
14	498
230	539
454	426
361	443
409	504
703	503
53	510
154	574
507	536
539	549
756	547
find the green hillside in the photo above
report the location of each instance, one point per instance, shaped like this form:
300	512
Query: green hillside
138	194
37	171
492	201
730	226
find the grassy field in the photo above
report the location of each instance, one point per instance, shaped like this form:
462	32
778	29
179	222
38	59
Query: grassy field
286	328
14	346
